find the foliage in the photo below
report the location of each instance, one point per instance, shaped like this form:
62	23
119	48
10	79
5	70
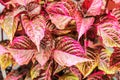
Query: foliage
60	40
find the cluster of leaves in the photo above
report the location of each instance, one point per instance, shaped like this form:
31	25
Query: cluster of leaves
60	40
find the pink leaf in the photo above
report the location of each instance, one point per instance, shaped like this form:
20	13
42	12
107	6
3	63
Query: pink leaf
66	59
3	50
22	57
86	24
34	28
95	8
59	14
42	57
116	1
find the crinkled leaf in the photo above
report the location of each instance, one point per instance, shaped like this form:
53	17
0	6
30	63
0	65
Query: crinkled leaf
104	63
3	50
5	61
66	59
22	42
22	57
35	71
87	67
33	8
95	8
114	59
34	28
68	76
85	25
69	45
109	31
59	14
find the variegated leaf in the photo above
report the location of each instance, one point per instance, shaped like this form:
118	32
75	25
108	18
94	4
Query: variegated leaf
68	76
3	50
22	57
109	31
33	8
5	61
104	63
98	76
22	42
66	59
34	28
95	8
87	67
59	14
85	25
114	59
69	45
35	71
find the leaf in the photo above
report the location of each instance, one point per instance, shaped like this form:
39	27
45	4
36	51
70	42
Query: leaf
95	8
86	24
22	57
22	2
116	12
98	76
3	50
114	59
35	71
22	42
68	76
66	59
104	63
5	61
34	28
59	14
109	31
69	45
87	67
116	1
33	8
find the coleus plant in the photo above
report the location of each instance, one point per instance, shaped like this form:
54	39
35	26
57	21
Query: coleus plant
60	40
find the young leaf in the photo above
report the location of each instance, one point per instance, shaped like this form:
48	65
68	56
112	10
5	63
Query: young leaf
59	14
66	59
22	42
104	63
3	50
5	61
69	76
69	45
85	25
95	8
109	31
87	67
22	57
34	28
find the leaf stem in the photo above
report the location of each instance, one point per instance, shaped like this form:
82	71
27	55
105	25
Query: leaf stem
3	73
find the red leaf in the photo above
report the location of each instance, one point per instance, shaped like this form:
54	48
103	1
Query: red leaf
34	28
86	24
22	57
94	7
22	42
3	50
66	59
116	1
86	4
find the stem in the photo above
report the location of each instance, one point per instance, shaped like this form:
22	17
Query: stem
107	1
1	34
